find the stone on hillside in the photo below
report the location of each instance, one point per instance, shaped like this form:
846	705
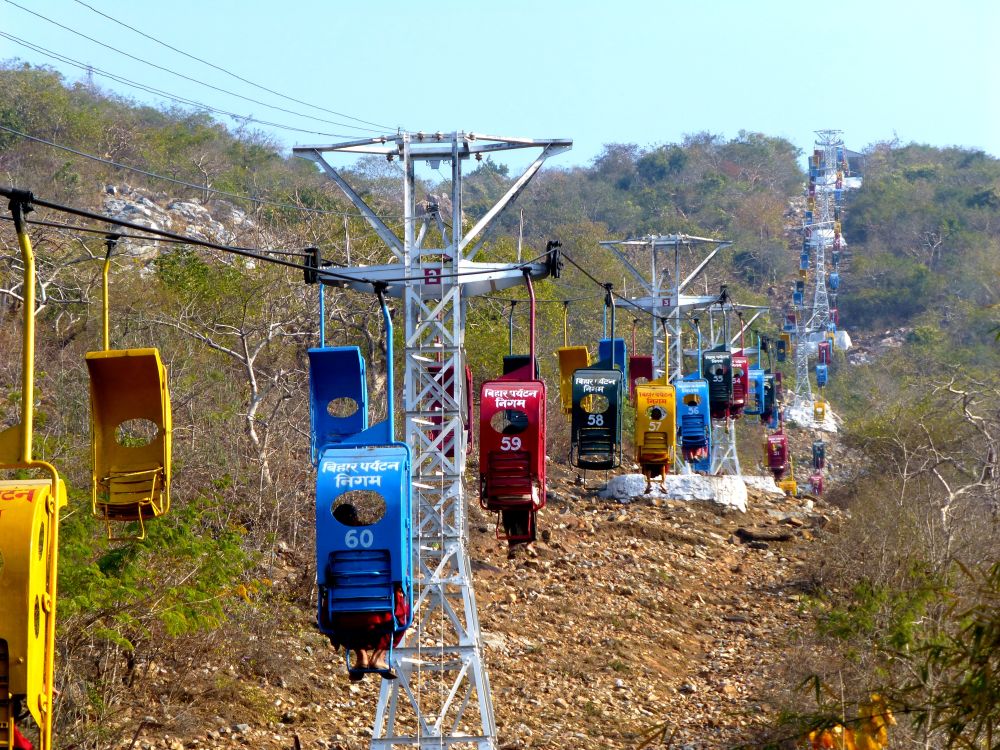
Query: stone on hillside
625	487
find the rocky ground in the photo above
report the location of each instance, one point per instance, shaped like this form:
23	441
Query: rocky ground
657	623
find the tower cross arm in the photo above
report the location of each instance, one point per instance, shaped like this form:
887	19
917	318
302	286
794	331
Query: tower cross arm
551	148
384	232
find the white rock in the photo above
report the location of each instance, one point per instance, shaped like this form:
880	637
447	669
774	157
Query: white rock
625	487
763	484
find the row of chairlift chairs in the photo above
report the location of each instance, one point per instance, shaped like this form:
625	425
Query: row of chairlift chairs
362	569
364	563
669	416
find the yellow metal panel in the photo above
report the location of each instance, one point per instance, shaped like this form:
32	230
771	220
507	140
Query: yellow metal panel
571	359
28	515
129	481
655	422
10	445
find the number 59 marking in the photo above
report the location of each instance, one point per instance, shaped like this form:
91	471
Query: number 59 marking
510	443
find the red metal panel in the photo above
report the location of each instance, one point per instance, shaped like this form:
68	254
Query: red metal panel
639	367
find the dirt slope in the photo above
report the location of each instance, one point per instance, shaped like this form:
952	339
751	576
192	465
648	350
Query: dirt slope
629	622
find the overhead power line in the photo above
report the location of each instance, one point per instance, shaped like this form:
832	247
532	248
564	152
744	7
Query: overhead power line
228	72
73	228
159	92
194	80
253	253
154	175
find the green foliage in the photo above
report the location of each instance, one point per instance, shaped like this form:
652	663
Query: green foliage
965	666
178	580
885	616
922	232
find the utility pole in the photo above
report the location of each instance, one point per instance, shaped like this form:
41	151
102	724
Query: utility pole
441	698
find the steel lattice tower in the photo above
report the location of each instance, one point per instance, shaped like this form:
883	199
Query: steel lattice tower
664	290
822	227
442	696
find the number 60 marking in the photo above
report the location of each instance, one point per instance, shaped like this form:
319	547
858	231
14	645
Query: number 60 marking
363	538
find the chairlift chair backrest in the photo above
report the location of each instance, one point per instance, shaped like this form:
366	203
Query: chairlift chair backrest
338	396
595	427
823	351
360	565
819	410
755	393
444	375
819	454
655	425
781	348
777	454
822	375
513	363
769	410
741	383
613	354
640	370
816	482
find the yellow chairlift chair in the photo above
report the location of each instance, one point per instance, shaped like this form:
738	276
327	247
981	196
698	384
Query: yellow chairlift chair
29	539
571	359
788	485
130	416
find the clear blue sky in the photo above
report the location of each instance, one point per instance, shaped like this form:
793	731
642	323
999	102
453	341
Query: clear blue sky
597	72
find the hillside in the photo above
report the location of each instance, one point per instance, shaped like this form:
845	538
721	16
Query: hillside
628	617
651	619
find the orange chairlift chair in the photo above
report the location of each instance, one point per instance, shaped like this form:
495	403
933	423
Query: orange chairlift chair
130	417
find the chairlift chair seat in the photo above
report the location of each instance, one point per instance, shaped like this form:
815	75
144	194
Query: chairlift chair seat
595	434
131	481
